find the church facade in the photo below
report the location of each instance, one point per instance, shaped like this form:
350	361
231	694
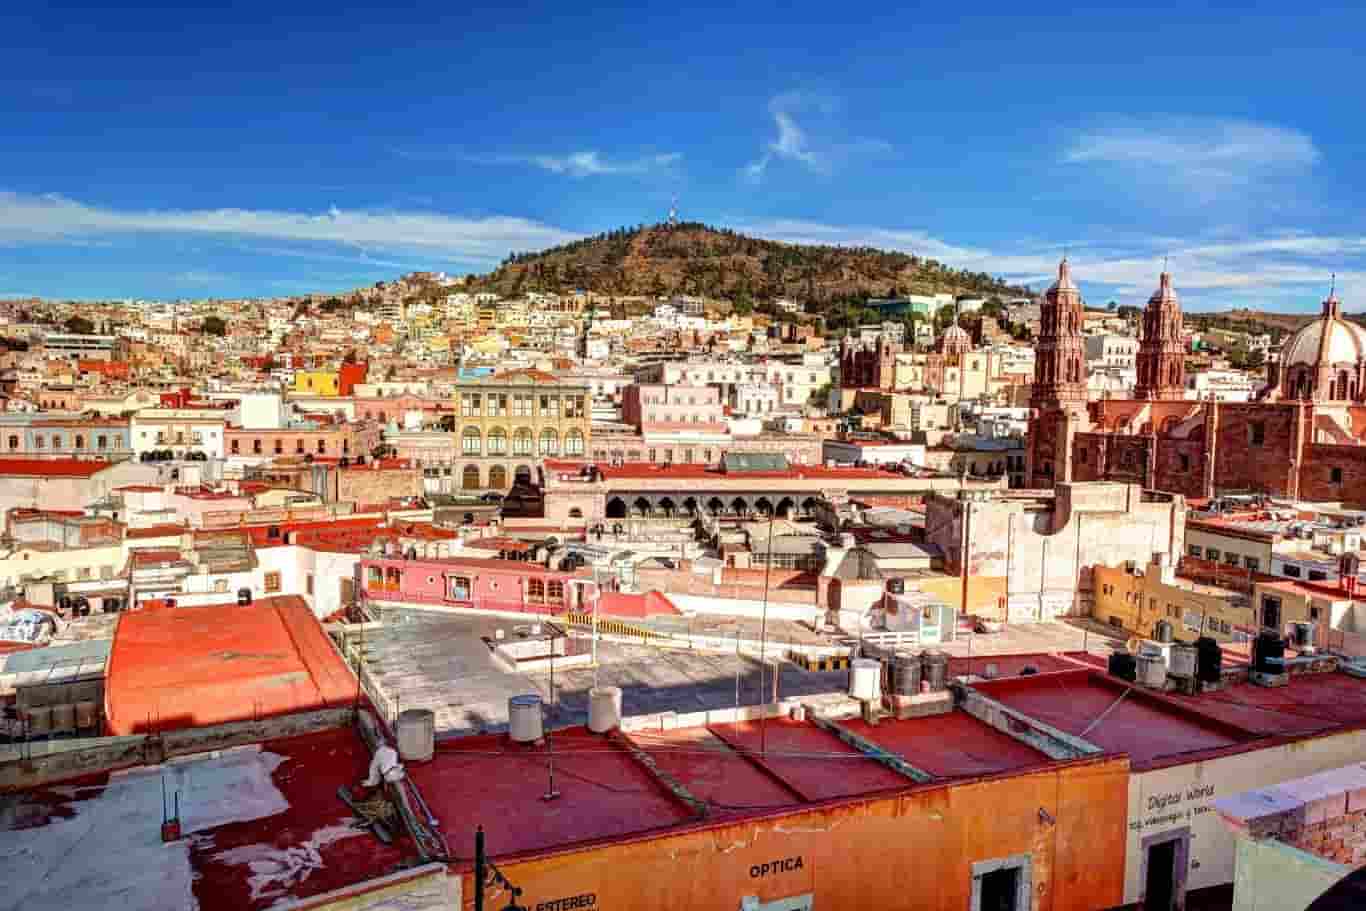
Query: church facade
1305	437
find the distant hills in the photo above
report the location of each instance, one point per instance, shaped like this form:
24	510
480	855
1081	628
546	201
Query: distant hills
700	260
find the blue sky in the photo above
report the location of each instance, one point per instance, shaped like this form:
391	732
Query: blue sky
167	152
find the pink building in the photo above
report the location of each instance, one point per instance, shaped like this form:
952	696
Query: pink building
657	407
504	585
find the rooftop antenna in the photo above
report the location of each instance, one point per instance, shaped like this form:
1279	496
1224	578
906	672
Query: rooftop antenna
1332	284
673	212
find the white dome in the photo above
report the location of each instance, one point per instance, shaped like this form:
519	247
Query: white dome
1345	343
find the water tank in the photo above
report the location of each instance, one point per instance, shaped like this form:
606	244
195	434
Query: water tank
1184	660
416	731
1162	632
40	719
904	674
934	667
87	715
1268	652
604	708
1152	671
865	680
64	718
243	597
1304	637
524	718
1211	660
896	586
1123	665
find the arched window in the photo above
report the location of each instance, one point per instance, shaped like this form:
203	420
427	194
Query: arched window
102	442
498	477
13	443
80	441
498	441
573	443
522	441
470	441
535	590
469	478
550	442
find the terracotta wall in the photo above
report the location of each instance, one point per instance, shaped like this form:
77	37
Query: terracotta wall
913	851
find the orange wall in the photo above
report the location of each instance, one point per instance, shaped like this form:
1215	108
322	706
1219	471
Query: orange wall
986	594
913	851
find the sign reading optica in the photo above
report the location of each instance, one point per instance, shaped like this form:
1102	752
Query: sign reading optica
770	867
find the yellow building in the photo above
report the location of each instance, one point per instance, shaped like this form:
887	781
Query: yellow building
1135	600
317	382
508	422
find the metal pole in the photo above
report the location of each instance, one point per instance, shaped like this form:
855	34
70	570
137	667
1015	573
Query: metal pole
479	873
763	640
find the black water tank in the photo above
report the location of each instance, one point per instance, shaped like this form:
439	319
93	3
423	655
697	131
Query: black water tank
896	586
1162	632
1123	665
934	667
1268	654
1209	660
904	673
244	596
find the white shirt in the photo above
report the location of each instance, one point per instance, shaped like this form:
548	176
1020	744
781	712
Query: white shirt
384	765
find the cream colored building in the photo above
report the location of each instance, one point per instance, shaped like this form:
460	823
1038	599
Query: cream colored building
508	422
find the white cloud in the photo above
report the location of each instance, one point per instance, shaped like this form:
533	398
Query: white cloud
795	143
49	218
587	163
1214	154
1276	270
591	164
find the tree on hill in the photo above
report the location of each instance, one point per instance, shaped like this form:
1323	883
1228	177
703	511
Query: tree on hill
214	325
79	325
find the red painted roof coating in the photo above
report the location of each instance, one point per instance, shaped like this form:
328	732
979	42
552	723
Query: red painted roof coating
950	745
814	763
489	780
50	468
712	771
1312	702
1147	728
196	666
315	766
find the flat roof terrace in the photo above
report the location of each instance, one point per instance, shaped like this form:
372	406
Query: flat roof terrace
812	762
1114	716
1310	703
952	745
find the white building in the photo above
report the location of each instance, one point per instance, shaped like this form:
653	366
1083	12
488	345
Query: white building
1111	351
1222	386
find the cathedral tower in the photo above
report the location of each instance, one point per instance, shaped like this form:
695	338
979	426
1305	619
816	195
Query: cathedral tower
1161	355
1059	358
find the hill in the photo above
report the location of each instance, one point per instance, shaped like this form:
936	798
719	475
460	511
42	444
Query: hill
696	259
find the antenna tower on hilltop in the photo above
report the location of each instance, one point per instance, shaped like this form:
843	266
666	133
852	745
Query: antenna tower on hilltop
673	212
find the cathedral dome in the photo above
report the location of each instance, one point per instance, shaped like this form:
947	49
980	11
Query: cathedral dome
1340	341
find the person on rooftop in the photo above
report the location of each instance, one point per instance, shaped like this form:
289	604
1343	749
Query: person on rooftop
385	768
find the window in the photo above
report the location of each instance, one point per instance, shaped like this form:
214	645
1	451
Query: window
322	447
1256	433
550	442
233	447
550	406
39	442
535	590
80	442
1081	456
521	405
573	443
497	405
470	443
1231	559
1252	563
272	583
1185	462
279	447
470	404
1314	613
1336	475
1002	885
299	447
1195	550
256	447
1292	571
1212	554
522	442
460	588
102	442
1317	575
308	584
220	586
554	590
